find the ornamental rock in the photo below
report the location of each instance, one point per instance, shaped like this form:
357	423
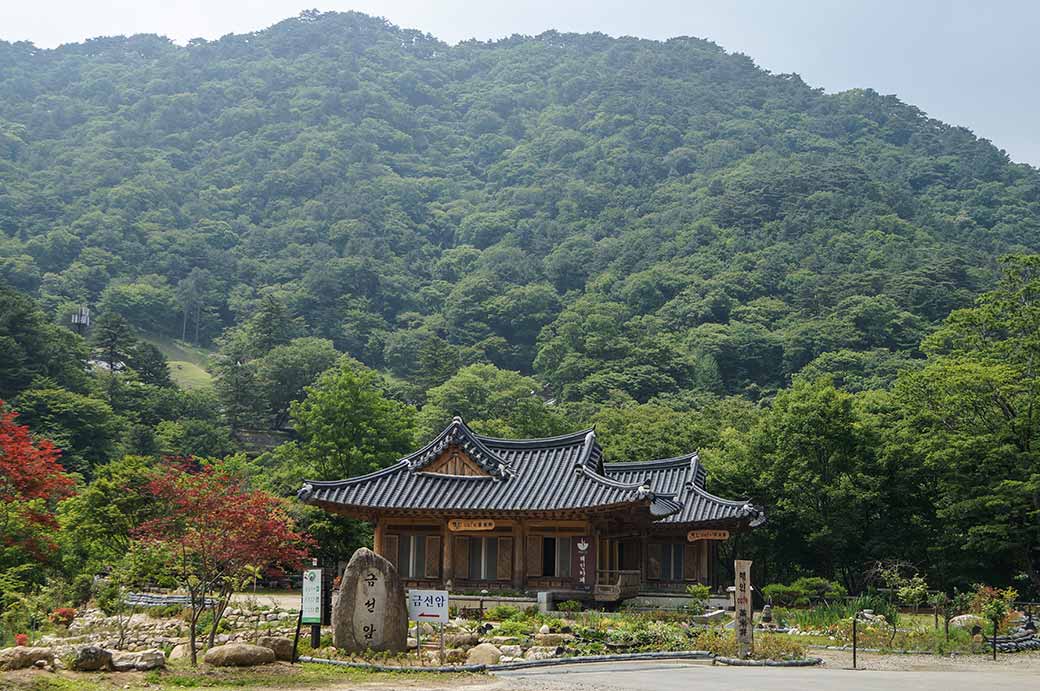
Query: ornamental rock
370	613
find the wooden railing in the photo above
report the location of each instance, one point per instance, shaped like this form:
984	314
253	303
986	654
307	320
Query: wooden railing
614	584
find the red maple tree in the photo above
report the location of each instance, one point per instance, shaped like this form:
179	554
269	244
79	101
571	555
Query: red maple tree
214	531
32	482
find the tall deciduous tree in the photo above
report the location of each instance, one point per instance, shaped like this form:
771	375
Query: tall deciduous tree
32	482
348	426
494	401
976	406
213	530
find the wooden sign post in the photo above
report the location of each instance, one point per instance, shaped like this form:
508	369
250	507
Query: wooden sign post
743	607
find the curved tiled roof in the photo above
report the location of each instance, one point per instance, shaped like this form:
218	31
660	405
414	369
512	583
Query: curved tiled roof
683	478
564	473
529	475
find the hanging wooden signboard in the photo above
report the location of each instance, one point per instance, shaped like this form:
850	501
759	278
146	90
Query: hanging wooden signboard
583	561
456	525
744	608
695	535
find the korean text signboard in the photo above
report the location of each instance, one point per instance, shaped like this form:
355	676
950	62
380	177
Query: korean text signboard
584	562
743	606
695	535
311	596
456	525
428	605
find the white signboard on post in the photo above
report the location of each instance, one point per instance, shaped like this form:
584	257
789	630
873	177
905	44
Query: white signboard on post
428	605
311	608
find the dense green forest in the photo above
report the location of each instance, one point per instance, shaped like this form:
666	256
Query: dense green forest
373	230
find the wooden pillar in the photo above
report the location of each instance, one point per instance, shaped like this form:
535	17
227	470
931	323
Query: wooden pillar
377	536
448	569
596	547
644	538
520	555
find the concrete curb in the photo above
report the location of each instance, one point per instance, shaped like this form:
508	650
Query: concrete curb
807	662
620	657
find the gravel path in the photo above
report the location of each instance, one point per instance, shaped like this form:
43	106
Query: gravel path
1018	662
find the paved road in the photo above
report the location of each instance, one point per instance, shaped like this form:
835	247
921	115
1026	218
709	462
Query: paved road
684	676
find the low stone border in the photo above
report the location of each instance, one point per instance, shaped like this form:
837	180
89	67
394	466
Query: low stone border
734	662
519	664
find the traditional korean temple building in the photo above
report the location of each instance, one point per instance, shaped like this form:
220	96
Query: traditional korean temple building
471	512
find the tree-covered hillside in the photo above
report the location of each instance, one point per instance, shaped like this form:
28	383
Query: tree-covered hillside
619	217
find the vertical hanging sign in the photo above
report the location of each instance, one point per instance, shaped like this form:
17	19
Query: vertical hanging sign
743	607
583	562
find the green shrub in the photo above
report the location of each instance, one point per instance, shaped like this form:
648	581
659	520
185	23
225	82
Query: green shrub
699	595
777	647
782	595
803	592
502	613
717	641
569	606
816	588
167	612
81	588
513	627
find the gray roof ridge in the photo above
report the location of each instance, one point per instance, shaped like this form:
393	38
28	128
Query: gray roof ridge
536	442
418	459
610	482
697	489
397	465
673	462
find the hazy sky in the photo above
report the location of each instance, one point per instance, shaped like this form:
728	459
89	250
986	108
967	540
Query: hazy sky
967	62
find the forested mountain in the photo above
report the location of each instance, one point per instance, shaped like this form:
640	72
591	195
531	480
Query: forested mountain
374	231
614	215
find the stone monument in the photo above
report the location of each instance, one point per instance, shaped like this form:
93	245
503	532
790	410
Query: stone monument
370	613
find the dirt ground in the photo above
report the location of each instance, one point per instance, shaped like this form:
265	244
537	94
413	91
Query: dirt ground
1018	662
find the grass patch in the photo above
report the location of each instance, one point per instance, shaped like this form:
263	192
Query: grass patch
187	363
187	375
222	679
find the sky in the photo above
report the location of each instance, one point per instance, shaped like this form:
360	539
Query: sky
966	62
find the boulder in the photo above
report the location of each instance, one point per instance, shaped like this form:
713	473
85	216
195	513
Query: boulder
966	621
281	646
181	651
461	640
239	655
499	640
483	654
21	657
92	658
511	651
370	612
544	629
539	652
709	617
553	639
141	661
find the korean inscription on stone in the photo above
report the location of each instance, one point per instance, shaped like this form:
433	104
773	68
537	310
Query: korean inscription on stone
367	618
370	611
743	607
